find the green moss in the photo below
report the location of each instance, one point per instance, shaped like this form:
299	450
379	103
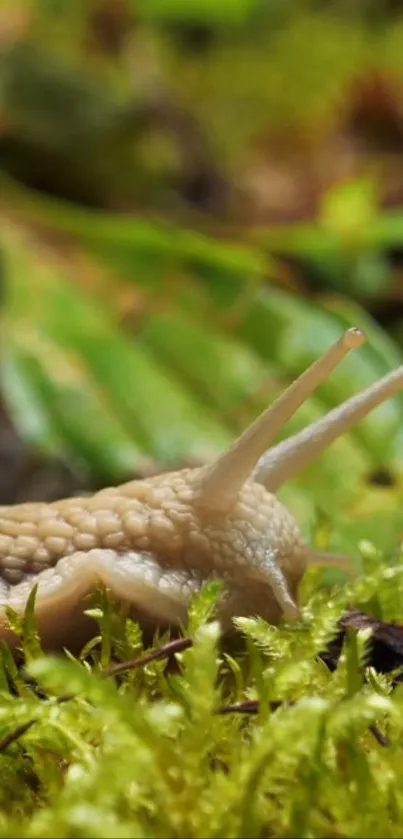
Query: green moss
148	752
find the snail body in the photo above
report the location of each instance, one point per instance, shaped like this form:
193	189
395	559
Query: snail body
155	542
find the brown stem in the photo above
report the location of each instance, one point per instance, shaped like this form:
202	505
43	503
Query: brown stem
15	735
166	651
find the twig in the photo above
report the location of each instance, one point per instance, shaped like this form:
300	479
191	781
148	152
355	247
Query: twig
379	737
15	735
251	706
166	651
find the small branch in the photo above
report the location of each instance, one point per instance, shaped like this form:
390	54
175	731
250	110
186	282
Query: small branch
166	651
379	737
15	735
251	706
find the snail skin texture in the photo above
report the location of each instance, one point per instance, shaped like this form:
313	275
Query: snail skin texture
153	543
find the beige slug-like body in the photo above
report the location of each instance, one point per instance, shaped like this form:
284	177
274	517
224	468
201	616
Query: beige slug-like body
154	542
146	541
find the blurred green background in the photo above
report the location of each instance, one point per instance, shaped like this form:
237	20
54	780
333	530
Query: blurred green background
197	197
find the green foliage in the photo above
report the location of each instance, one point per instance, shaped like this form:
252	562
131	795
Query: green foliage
150	311
157	752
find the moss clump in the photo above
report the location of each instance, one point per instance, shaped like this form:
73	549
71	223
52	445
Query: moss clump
89	749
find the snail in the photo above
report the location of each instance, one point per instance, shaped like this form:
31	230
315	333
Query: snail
154	542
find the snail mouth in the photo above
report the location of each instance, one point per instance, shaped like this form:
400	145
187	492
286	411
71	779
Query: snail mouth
254	598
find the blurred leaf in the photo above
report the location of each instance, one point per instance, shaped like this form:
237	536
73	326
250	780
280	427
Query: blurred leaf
88	335
349	209
226	12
